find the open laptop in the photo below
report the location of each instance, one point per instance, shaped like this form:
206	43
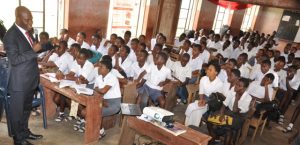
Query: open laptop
131	109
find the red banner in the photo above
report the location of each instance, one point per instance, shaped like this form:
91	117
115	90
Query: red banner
230	5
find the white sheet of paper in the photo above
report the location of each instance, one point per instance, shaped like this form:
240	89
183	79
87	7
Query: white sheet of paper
74	109
286	18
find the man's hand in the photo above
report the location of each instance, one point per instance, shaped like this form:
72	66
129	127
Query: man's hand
36	47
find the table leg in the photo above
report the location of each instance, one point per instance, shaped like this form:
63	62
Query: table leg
127	134
93	120
50	105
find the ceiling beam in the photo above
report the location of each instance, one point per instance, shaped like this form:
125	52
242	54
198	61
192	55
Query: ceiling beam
284	4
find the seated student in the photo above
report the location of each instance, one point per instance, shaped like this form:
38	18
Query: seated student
270	56
279	68
287	87
181	72
208	84
157	75
142	46
120	42
80	39
262	91
142	39
60	58
286	50
112	52
139	66
204	54
157	49
233	77
155	40
162	40
236	105
235	49
44	38
94	56
108	43
195	63
127	36
289	62
179	42
95	42
243	66
251	50
64	36
225	51
81	69
216	43
265	68
133	49
226	70
123	62
107	84
186	48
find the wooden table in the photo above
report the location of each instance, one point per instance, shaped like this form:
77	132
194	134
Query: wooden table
93	107
132	125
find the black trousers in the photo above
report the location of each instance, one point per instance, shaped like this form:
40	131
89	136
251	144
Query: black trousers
19	109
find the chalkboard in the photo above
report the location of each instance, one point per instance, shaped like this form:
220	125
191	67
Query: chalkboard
289	25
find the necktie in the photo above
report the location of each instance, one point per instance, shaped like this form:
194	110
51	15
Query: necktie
29	38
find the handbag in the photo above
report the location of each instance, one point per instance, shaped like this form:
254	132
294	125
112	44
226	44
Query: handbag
215	119
215	102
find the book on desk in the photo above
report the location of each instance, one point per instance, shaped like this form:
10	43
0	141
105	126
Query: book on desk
79	88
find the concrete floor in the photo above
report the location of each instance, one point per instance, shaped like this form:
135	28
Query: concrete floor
63	133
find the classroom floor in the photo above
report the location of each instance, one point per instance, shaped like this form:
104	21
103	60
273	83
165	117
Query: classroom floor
63	133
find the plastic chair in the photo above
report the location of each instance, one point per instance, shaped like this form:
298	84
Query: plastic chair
40	102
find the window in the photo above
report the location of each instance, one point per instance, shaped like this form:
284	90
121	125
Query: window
186	16
249	18
47	19
126	15
222	18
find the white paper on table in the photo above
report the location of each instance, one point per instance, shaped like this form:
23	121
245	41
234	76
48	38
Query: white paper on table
74	108
286	18
66	83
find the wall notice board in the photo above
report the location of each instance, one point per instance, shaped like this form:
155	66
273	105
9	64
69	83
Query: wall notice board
289	25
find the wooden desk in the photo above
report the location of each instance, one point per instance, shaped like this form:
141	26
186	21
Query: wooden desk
132	125
93	107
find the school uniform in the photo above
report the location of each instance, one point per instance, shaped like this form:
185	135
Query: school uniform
136	70
125	65
103	49
132	55
294	82
86	71
243	103
181	73
258	91
153	77
215	45
178	43
205	56
223	75
196	63
245	70
206	87
112	96
225	53
250	53
63	61
85	45
190	51
70	42
235	53
258	76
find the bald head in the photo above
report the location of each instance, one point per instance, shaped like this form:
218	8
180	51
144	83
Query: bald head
23	18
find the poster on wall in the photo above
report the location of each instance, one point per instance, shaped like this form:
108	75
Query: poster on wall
288	26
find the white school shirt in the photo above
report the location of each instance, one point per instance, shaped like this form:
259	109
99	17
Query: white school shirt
102	49
109	80
285	56
245	70
258	76
113	60
86	71
205	56
294	83
85	45
225	53
136	70
63	61
207	87
93	47
297	53
250	53
181	72
153	42
235	53
125	65
215	45
70	42
243	103
223	75
155	76
132	55
258	91
226	88
196	64
178	43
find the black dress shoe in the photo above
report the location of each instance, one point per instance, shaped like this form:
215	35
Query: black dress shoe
24	142
34	136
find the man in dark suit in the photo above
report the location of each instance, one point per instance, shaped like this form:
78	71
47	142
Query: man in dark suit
23	74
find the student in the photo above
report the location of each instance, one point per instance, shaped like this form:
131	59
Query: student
120	42
138	67
133	49
286	50
157	75
279	68
123	62
195	63
112	52
109	42
287	87
262	91
80	39
216	44
208	84
127	36
233	77
235	49
64	36
142	46
155	40
204	54
226	70
186	48
225	51
81	69
181	72
162	40
95	42
265	69
179	42
251	50
94	56
243	66
44	38
235	105
157	49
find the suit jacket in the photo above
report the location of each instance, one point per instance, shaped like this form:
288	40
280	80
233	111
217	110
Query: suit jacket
23	67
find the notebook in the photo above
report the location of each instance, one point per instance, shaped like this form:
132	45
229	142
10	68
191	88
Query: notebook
131	109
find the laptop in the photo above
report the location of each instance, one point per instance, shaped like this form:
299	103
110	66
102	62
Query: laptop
131	109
